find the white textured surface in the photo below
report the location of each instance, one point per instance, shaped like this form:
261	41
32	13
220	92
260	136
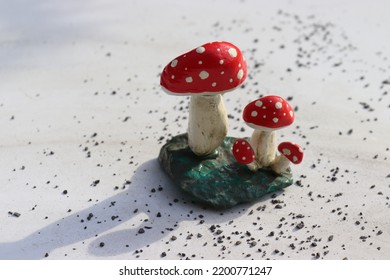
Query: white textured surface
82	120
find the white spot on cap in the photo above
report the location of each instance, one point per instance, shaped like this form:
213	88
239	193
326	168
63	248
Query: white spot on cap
275	120
243	158
222	72
243	143
214	84
174	63
258	103
232	52
237	150
291	113
231	80
221	61
254	114
278	105
295	159
286	152
200	50
240	74
204	75
189	79
172	77
200	62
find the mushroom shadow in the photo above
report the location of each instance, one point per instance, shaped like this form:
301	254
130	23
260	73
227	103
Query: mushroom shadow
160	215
164	212
146	212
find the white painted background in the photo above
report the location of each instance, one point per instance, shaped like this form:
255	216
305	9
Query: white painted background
82	76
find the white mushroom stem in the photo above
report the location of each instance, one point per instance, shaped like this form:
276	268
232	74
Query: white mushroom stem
264	146
281	164
208	123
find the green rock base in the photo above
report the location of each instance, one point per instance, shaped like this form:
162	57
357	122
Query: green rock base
217	180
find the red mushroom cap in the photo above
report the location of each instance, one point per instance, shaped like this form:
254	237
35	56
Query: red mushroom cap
268	113
243	151
213	67
291	151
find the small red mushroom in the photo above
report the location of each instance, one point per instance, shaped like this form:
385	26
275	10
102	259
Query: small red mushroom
266	115
205	73
289	152
243	151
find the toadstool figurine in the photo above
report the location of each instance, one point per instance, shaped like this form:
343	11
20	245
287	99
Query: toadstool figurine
205	73
290	152
265	115
243	152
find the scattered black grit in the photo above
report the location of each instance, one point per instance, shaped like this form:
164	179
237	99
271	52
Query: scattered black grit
14	214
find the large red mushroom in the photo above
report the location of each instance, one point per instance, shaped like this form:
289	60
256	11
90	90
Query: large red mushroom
265	115
205	73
